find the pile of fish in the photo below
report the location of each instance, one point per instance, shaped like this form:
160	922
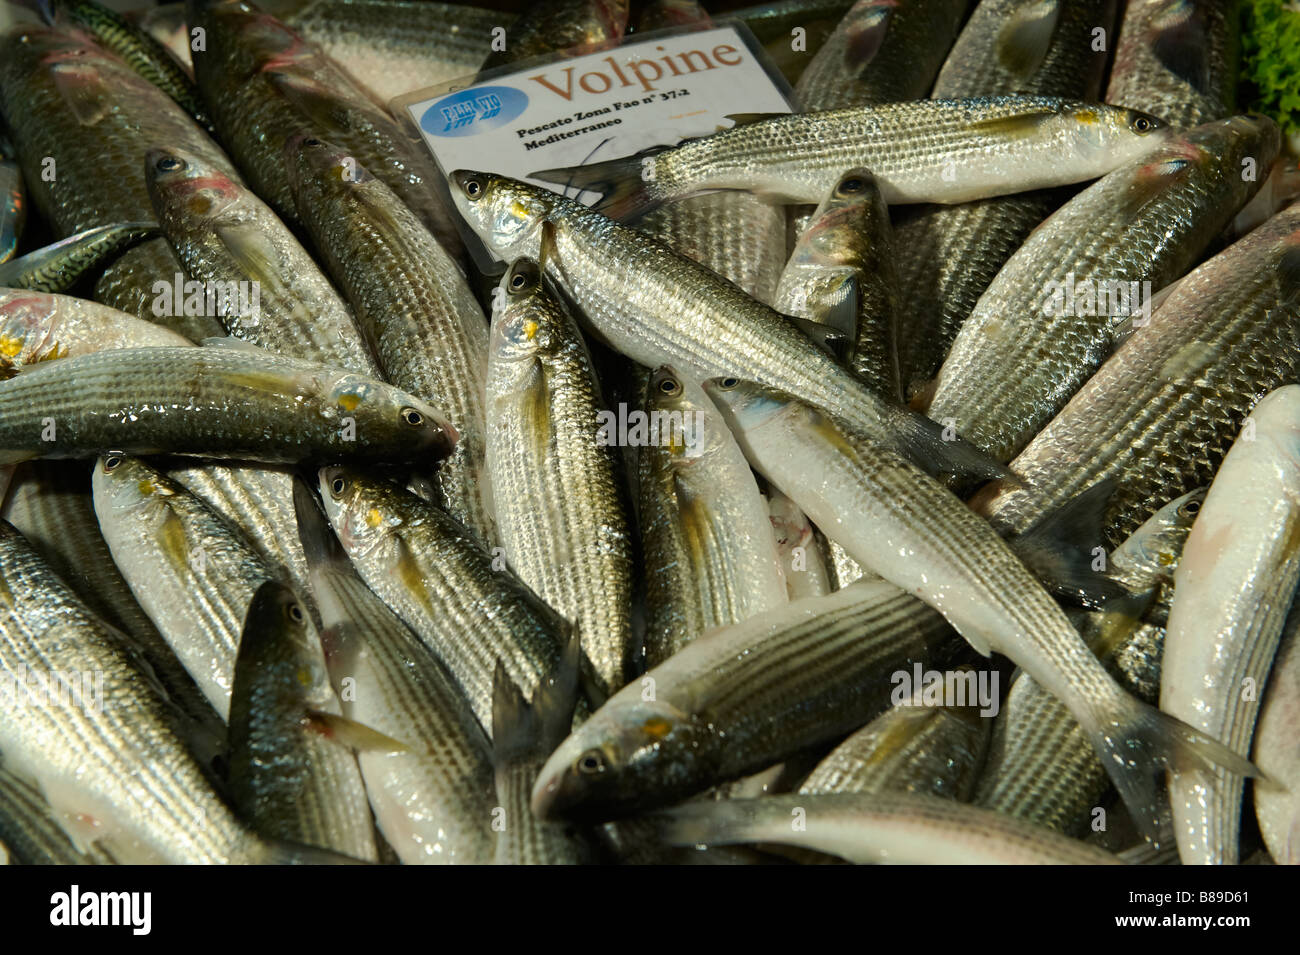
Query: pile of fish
914	477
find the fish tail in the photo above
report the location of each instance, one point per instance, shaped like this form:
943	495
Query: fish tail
319	545
1138	741
520	729
280	852
627	186
712	823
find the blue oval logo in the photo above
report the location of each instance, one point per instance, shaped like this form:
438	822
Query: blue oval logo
474	111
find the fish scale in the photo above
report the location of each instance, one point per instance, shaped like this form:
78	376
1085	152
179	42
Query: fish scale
1160	414
1013	365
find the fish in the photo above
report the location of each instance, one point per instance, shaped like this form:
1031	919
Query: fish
263	285
13	212
774	26
841	273
553	470
462	601
1222	636
739	236
898	523
216	401
194	574
523	733
264	83
706	533
31	833
433	798
57	267
890	828
998	142
1050	317
883	51
740	698
412	302
911	748
114	772
291	775
947	256
81	121
392	47
656	308
1277	807
38	326
571	27
137	48
798	546
1177	58
1040	767
1159	415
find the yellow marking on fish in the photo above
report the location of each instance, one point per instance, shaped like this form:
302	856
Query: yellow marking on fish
6	595
530	329
304	676
53	353
1088	116
412	578
374	518
348	401
173	543
11	347
657	727
199	205
519	210
1165	558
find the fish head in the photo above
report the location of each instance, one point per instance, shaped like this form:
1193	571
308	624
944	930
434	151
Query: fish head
1234	145
309	158
630	749
256	40
850	213
505	213
386	418
125	482
184	187
279	639
28	322
1108	136
688	425
1151	552
523	315
747	405
357	507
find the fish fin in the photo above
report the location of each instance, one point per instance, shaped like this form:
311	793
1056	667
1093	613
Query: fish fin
1059	548
748	119
352	734
281	852
249	246
1023	42
715	822
1140	740
625	191
864	37
1182	47
830	340
1117	622
1288	275
546	247
319	544
557	695
311	98
230	341
514	724
843	315
83	91
1020	123
921	441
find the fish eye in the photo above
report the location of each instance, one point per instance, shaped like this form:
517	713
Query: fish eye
670	386
412	417
518	280
337	487
472	188
1192	508
169	164
312	141
728	383
295	612
591	762
851	186
1143	124
111	463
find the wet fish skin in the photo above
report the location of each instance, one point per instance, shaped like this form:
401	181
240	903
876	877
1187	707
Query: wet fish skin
1176	57
841	273
907	828
290	776
710	556
465	607
883	51
555	483
412	302
898	523
42	326
1002	145
657	307
89	112
31	833
1023	353
798	547
136	47
432	802
13	214
772	25
226	237
1040	767
1160	414
119	766
391	47
912	747
1222	636
1276	806
206	396
192	572
725	706
59	266
579	26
